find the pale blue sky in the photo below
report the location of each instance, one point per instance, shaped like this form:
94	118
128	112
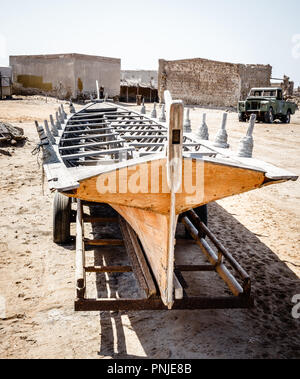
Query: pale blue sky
140	32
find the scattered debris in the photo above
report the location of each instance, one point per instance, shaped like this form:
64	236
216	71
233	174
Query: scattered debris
11	134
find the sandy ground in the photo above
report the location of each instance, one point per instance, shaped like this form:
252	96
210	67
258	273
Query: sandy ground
260	228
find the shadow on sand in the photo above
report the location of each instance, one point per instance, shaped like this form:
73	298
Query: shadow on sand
267	331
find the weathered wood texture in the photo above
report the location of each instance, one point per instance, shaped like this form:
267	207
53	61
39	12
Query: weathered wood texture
153	231
215	181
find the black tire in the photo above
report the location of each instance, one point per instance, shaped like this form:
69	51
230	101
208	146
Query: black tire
61	218
287	119
269	116
242	117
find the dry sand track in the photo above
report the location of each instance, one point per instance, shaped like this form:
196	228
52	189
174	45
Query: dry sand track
260	228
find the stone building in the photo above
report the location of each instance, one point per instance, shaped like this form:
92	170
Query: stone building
211	83
65	75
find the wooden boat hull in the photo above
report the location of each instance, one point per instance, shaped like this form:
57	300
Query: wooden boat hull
144	186
150	172
129	191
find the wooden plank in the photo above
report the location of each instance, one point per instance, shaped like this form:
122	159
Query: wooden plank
218	181
103	242
178	290
81	131
133	258
74	122
194	268
104	112
147	136
190	303
100	269
152	230
174	179
92	144
141	258
95	153
80	254
89	137
102	220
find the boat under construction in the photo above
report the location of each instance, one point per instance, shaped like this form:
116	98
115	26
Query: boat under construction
154	172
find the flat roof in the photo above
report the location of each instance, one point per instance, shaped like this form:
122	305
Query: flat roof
67	55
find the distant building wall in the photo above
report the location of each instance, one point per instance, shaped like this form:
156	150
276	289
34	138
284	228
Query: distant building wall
65	75
146	77
88	69
206	82
254	76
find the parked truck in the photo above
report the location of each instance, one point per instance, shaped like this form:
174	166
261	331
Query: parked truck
268	104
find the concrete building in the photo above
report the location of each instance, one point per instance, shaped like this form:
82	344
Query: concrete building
5	82
210	83
65	75
138	82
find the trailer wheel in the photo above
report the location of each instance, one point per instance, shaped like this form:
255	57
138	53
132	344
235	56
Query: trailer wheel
61	218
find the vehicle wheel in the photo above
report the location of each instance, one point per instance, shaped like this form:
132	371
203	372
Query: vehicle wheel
269	116
242	117
287	118
61	218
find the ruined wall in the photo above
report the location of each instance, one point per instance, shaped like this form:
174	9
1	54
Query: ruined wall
212	83
65	75
254	76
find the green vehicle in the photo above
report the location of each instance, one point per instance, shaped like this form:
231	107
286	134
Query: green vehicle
268	104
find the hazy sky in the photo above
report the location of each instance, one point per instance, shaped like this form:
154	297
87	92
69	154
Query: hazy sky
140	32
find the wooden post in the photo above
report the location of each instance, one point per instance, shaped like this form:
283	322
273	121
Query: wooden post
174	178
80	253
97	89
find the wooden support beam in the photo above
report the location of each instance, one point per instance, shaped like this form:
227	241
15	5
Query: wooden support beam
194	268
90	120
95	153
100	269
103	242
91	144
156	304
89	137
145	136
135	255
80	254
178	290
100	220
81	131
141	259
